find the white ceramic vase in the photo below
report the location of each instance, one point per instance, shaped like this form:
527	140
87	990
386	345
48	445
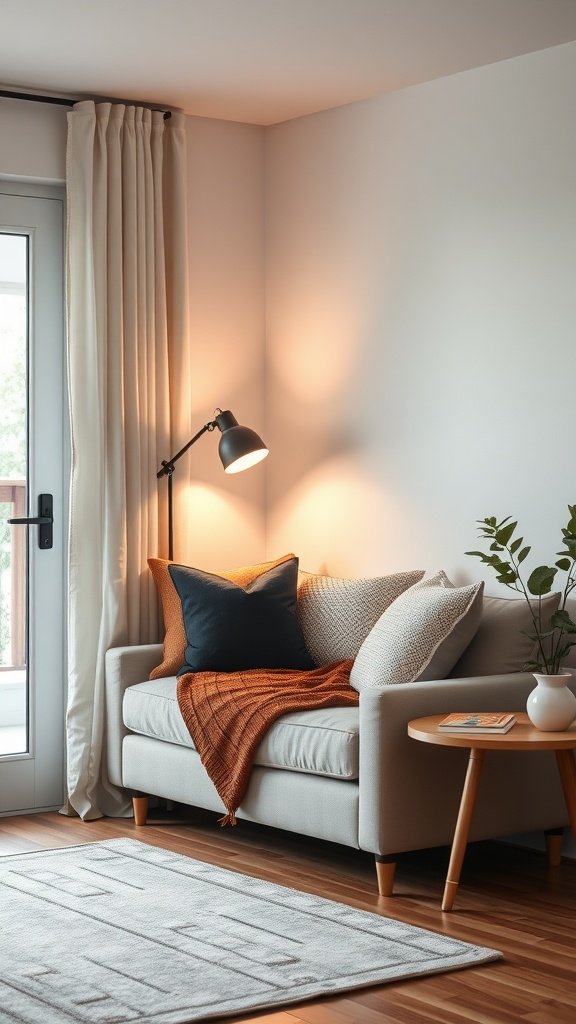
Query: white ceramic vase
551	707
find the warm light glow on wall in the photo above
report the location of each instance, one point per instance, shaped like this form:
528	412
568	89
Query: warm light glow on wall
336	519
221	531
316	348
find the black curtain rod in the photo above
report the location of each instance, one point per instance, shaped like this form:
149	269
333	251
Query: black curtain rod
37	99
58	100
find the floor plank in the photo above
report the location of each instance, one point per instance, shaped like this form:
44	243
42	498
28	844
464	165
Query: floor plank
509	899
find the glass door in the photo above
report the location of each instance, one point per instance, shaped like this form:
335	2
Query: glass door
32	458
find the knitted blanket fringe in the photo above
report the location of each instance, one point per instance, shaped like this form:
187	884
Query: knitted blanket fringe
228	713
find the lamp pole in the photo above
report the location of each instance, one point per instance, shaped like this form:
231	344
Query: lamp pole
167	469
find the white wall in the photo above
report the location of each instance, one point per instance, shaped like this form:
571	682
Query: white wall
421	260
32	141
225	168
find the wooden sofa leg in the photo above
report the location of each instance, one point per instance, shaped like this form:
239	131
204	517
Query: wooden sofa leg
385	870
140	805
554	837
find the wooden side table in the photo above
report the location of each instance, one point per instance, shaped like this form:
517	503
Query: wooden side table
522	736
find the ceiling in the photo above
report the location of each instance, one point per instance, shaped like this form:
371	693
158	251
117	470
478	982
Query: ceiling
263	61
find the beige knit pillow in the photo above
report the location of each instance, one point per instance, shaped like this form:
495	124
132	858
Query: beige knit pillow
337	614
421	635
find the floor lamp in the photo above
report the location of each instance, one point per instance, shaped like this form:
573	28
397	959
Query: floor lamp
239	448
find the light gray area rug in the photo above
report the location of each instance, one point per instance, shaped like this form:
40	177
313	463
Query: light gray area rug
120	931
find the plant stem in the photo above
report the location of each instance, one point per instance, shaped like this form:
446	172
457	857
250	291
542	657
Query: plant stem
567	590
536	622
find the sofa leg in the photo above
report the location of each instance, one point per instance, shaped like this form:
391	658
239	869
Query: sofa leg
385	870
554	837
140	806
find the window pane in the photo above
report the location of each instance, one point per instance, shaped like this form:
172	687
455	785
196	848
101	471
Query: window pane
13	471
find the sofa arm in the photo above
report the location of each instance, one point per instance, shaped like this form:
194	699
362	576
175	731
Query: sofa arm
410	791
125	666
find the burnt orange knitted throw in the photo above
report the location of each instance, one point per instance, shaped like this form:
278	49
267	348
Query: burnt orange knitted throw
228	713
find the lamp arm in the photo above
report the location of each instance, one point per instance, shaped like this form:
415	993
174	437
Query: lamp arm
168	464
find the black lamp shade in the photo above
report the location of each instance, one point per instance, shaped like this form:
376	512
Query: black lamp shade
239	447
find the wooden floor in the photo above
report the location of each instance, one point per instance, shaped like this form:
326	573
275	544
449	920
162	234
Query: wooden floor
508	899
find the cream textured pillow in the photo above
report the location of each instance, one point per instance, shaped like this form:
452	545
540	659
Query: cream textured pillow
421	635
500	645
336	614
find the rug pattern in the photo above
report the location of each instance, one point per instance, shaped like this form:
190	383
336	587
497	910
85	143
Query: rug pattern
118	932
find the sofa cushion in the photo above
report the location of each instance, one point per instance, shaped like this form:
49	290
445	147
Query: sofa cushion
175	635
501	644
230	628
320	742
421	635
337	614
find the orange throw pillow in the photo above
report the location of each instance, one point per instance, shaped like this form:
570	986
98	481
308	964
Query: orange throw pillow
175	636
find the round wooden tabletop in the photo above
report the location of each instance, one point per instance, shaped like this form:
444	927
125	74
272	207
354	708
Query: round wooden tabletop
522	736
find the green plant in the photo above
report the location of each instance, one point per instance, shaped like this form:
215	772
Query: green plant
555	636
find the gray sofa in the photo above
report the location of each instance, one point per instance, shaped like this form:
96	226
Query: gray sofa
347	775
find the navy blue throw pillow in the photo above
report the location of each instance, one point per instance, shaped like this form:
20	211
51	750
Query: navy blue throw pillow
230	628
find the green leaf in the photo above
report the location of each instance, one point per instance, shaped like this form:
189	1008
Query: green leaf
564	564
562	620
516	544
504	533
488	523
523	554
538	636
496	562
560	655
571	528
487	559
541	580
508	579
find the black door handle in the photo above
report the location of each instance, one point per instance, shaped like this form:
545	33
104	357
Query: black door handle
44	520
36	521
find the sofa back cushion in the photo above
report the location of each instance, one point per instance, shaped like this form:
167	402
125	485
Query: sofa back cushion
421	635
175	635
337	614
501	644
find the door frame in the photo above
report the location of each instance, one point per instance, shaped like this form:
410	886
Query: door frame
33	779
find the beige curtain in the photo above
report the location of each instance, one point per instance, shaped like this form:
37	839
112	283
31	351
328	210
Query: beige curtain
128	378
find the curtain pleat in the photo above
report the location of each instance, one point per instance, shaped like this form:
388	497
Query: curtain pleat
128	362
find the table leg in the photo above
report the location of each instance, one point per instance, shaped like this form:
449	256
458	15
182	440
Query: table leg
567	770
554	838
467	802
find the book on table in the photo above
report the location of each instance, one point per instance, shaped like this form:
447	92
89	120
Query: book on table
496	722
